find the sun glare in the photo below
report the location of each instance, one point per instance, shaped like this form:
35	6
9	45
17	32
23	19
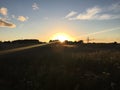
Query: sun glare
61	37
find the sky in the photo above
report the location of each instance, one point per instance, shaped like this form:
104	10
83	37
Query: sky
41	19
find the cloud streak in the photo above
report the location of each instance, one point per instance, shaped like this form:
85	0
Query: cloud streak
97	13
72	13
102	31
6	24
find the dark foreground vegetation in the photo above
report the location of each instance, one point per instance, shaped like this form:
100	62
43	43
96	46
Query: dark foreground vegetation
62	67
18	43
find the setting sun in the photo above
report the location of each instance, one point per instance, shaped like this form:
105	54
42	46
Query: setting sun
61	37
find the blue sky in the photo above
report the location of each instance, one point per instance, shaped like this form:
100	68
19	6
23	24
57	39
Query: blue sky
41	19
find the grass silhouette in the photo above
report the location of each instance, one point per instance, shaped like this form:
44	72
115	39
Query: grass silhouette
60	67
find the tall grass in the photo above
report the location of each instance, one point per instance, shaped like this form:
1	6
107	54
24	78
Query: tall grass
57	67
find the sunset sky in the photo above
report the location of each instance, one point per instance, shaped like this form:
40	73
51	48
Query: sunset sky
42	19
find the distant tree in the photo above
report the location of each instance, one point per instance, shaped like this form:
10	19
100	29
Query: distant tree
66	41
26	41
115	42
50	41
54	41
75	42
7	42
80	42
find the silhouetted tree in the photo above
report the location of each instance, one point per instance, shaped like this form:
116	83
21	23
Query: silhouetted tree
80	42
115	42
26	41
54	41
6	42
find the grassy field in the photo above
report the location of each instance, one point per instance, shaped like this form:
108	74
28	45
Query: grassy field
62	67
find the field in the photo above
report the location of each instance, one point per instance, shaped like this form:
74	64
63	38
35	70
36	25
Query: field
62	67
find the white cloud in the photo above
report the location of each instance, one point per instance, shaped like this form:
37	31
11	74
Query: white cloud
35	6
104	16
22	18
72	13
97	13
3	11
89	14
6	24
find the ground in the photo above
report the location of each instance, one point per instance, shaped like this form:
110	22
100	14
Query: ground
62	67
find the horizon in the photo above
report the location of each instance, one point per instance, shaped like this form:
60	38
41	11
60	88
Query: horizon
74	19
52	40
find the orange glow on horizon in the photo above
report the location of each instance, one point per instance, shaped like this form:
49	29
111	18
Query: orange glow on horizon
62	37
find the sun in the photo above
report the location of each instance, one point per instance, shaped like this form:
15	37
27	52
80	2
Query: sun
61	37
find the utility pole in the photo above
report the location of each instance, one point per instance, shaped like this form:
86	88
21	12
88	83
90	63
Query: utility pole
88	39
